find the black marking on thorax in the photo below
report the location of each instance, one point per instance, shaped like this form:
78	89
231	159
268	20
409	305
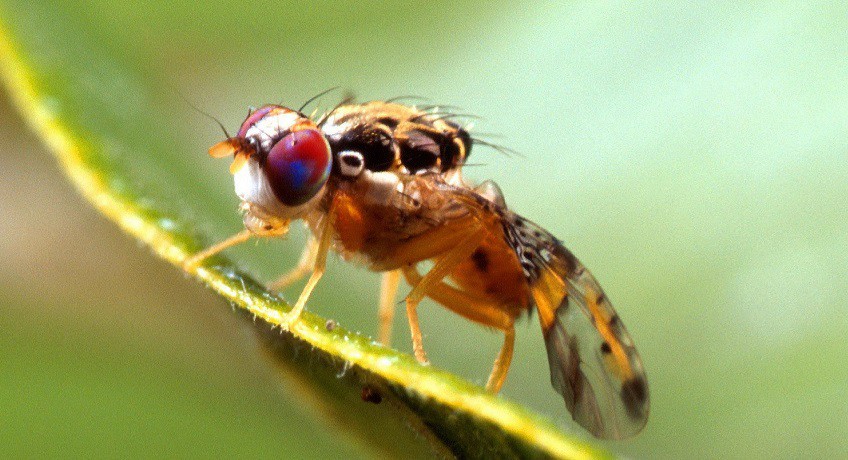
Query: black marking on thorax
390	136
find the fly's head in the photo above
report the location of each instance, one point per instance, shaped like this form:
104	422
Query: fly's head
281	163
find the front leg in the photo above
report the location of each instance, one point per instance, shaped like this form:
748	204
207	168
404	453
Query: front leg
306	262
254	226
325	239
191	263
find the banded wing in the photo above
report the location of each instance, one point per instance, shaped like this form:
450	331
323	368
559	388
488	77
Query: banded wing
593	362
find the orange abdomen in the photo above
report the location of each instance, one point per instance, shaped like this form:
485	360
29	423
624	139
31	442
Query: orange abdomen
493	272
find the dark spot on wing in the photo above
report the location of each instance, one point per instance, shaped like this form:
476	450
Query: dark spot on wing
601	298
481	260
570	261
634	393
574	376
605	348
563	306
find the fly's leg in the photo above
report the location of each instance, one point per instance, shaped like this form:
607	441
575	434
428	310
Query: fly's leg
388	290
481	311
502	362
306	262
325	238
191	263
254	226
442	268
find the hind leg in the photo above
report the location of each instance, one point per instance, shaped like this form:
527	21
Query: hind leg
443	266
481	311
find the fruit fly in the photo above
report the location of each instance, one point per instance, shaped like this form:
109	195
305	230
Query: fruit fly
381	184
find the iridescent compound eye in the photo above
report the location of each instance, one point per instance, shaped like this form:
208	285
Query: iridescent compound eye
298	165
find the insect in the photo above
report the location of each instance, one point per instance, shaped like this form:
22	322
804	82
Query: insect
381	184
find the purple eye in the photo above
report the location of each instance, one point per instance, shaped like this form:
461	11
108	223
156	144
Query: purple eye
298	165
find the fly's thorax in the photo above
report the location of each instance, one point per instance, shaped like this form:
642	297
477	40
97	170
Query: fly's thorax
381	136
286	164
372	190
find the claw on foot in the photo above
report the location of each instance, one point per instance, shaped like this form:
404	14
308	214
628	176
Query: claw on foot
192	263
421	357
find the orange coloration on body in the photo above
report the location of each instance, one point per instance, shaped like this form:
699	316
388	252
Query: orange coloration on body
395	198
493	272
401	252
351	224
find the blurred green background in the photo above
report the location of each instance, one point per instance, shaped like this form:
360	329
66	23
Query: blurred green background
694	155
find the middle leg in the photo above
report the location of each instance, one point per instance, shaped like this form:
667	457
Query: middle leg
325	240
388	290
